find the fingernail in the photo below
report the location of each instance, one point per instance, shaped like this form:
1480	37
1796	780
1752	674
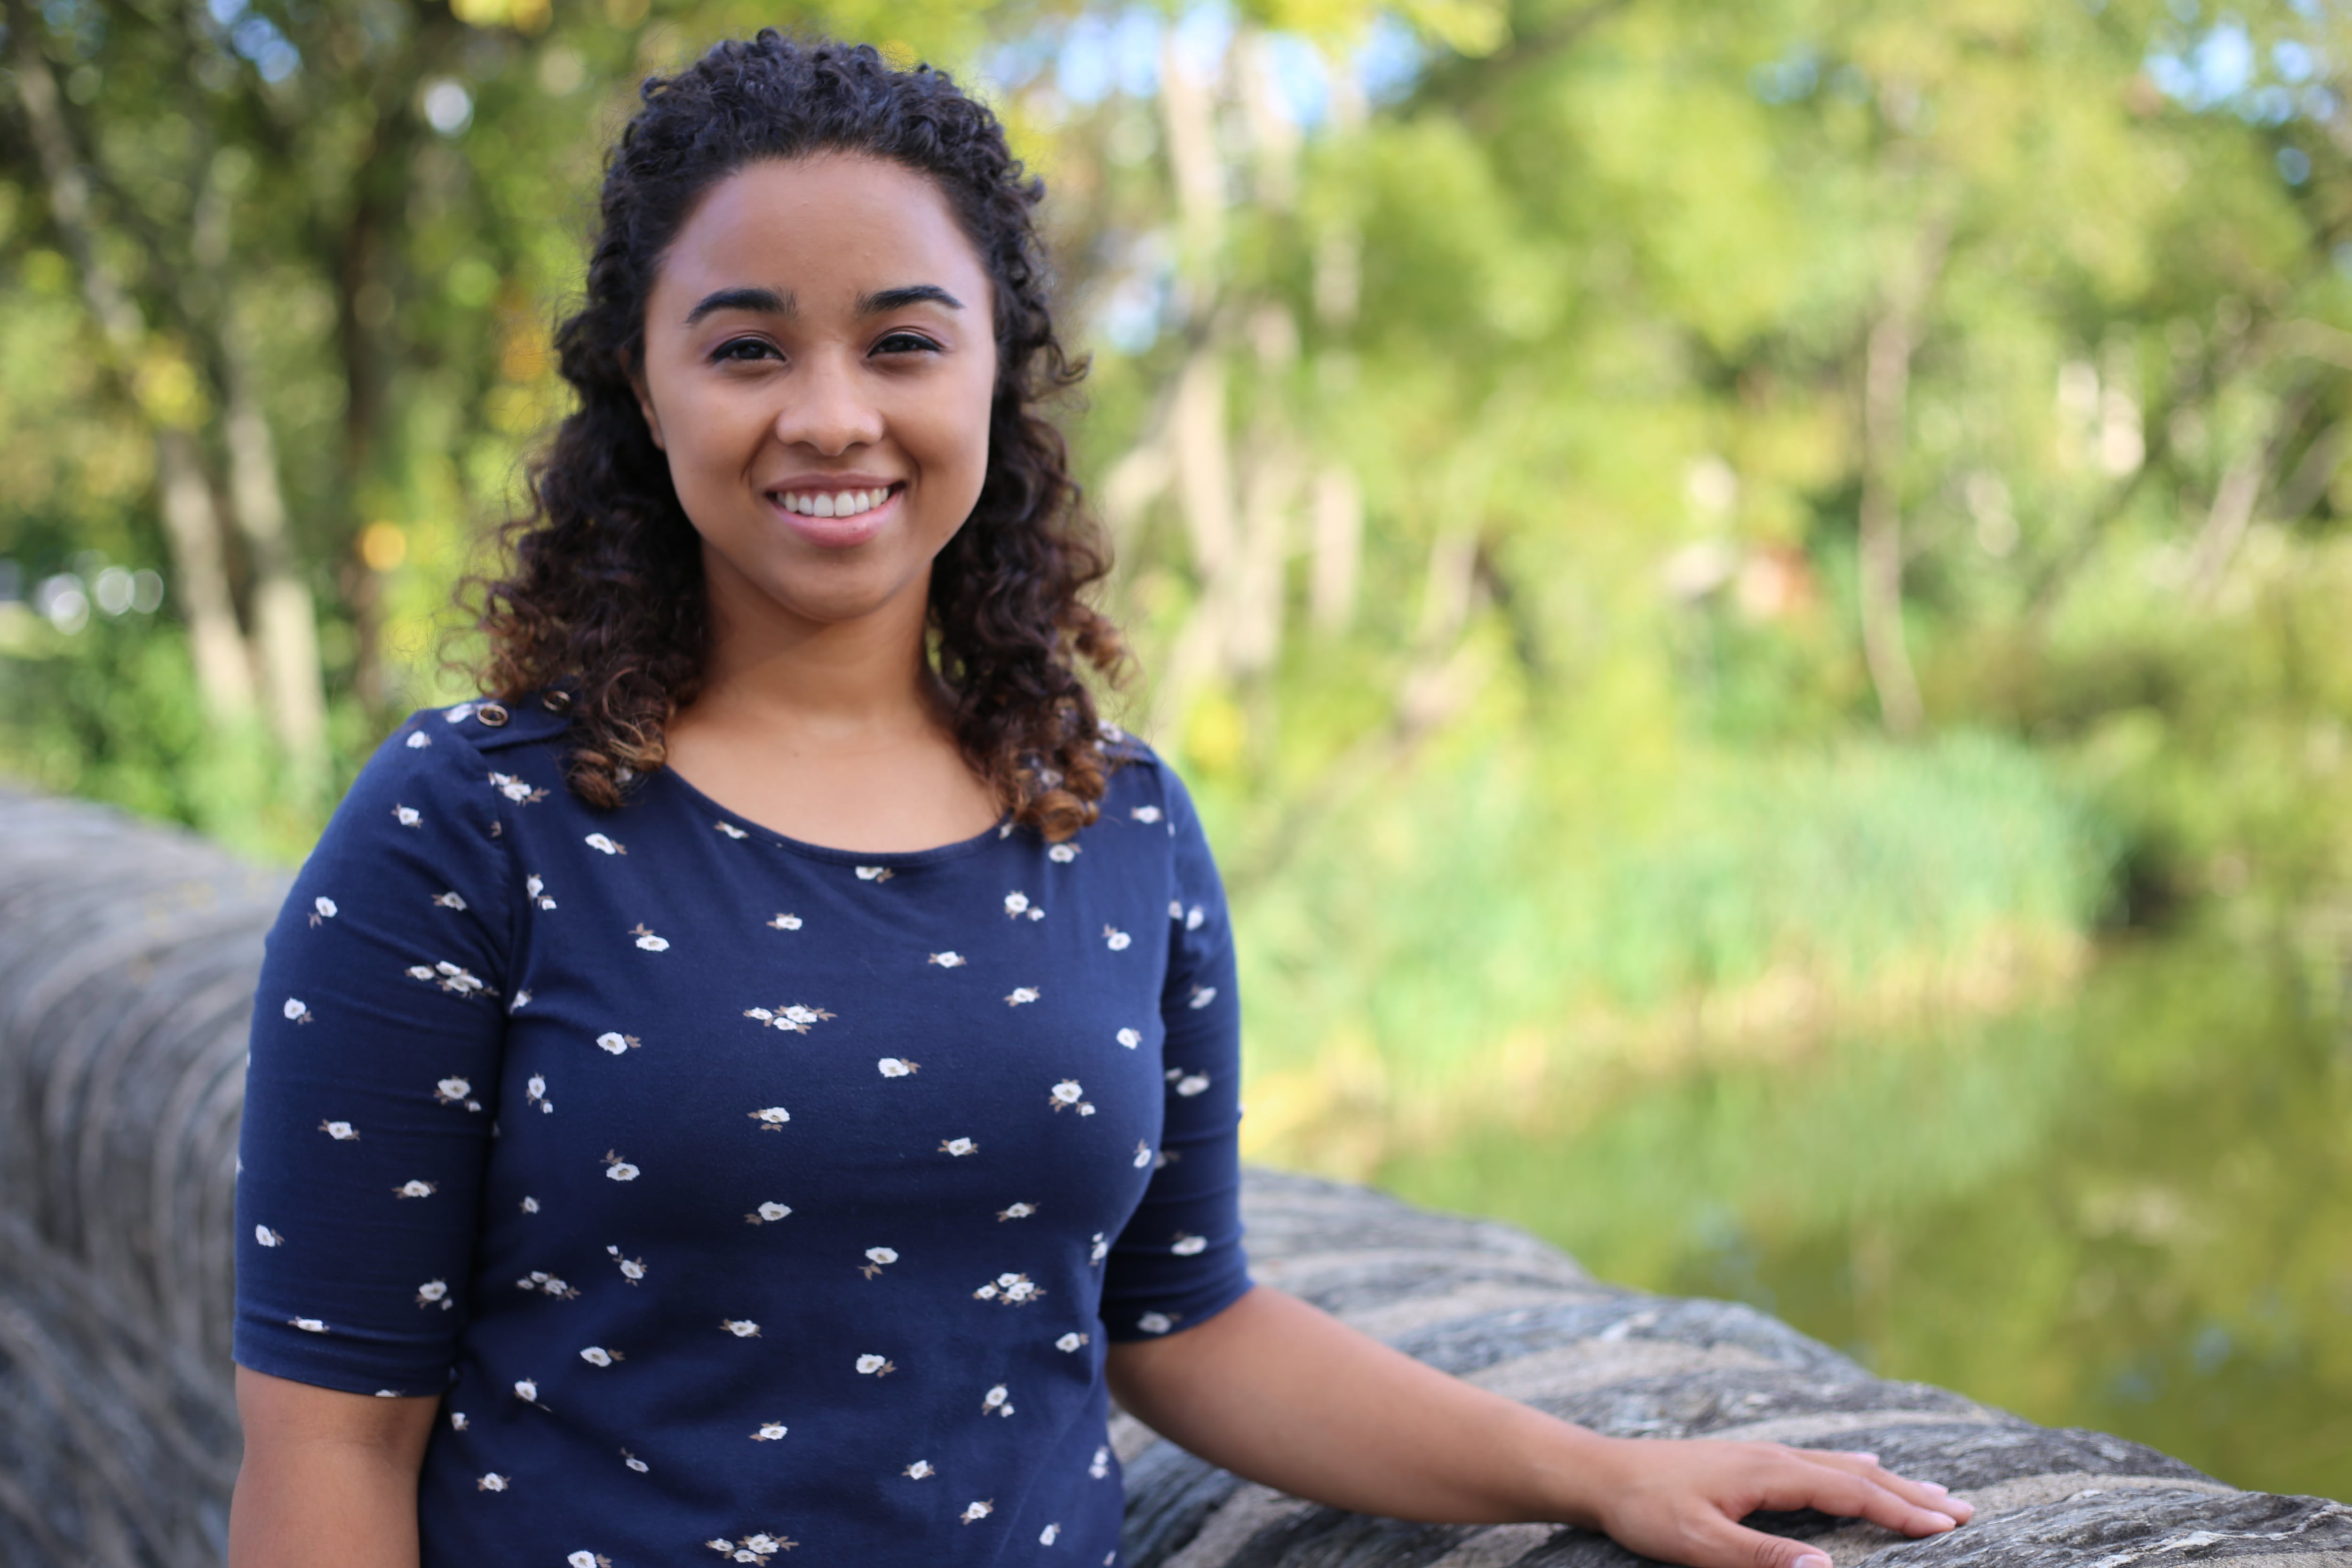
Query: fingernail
1946	1519
1938	1488
1811	1560
1854	1454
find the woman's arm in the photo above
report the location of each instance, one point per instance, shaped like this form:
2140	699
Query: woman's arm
1281	1393
329	1477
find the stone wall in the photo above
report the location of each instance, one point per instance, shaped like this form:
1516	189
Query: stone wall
127	960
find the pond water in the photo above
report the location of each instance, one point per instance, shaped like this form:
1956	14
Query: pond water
2129	1209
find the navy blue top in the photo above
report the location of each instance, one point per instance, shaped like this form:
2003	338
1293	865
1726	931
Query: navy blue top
736	1194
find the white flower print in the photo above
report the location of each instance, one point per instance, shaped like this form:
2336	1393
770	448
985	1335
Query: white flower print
918	1470
457	1420
616	1042
770	1431
878	1258
1115	940
756	1548
950	960
1071	1341
634	1462
977	1510
267	1236
433	1291
1131	1038
871	1365
1142	1154
993	1398
603	845
534	1092
415	1189
1188	1246
730	830
492	1482
308	1325
1099	1466
1021	995
418	740
1110	732
449	900
450	977
597	1355
535	889
1190	1083
522	998
539	1280
515	790
1064	1094
1062	854
958	1147
1201	996
295	1011
1155	1323
340	1131
1015	1211
875	873
1016	903
1145	813
770	1118
741	1328
646	940
1100	1250
407	815
795	1019
631	1268
527	1390
530	1205
322	909
769	1213
1176	909
588	1560
897	1067
1010	1290
1045	1537
1194	918
786	922
460	713
618	1169
453	1090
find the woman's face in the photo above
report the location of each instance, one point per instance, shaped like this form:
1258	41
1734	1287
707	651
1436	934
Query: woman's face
819	362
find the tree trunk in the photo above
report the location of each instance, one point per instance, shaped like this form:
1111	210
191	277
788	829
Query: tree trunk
1886	399
192	524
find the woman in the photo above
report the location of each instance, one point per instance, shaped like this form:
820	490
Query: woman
759	1083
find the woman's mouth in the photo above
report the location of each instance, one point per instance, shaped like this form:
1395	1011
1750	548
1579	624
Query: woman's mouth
836	518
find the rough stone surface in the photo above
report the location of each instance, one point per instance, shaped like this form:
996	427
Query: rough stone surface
1495	1306
128	955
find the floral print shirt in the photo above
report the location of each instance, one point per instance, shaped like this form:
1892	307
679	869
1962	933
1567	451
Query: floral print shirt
736	1195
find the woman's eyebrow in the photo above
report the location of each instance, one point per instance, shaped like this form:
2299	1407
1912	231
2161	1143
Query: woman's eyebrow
766	301
912	294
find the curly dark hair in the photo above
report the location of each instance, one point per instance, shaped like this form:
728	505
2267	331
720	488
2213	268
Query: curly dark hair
603	595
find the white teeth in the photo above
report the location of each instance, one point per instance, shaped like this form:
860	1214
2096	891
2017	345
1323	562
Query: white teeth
826	503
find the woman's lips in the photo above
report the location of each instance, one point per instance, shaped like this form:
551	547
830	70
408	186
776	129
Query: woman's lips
838	532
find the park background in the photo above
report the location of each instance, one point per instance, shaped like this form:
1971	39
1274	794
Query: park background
1756	595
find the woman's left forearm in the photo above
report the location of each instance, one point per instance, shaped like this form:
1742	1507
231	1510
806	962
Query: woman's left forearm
1278	1392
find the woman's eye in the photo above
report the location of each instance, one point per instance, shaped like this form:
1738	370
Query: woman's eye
742	349
906	343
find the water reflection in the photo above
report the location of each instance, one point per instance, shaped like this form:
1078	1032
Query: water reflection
2129	1210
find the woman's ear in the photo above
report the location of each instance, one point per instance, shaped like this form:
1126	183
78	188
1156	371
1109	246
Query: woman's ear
634	371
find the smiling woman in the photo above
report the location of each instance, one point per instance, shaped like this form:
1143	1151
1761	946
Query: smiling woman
887	996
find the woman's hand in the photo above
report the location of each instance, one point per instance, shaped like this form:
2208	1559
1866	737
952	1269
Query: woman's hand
1682	1501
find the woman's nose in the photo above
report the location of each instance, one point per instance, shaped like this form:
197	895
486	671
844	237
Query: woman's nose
828	409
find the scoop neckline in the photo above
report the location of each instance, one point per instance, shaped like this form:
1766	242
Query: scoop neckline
999	830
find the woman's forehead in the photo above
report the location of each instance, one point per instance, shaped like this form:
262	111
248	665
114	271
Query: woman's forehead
826	232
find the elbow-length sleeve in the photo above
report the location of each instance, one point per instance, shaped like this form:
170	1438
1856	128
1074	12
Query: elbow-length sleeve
1178	1261
373	1081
